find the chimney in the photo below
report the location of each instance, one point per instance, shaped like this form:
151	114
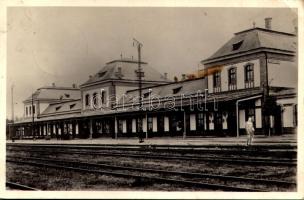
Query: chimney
166	75
175	79
74	85
90	76
53	84
268	23
119	72
183	77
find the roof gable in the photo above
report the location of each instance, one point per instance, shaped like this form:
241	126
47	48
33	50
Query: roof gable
63	107
254	39
54	93
125	70
187	87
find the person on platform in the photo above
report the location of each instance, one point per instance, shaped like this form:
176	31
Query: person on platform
250	131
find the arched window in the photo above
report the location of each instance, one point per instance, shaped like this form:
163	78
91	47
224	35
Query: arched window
232	78
87	100
103	97
95	100
217	81
249	75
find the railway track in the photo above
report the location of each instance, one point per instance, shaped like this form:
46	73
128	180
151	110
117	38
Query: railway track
17	186
160	146
155	175
279	151
199	158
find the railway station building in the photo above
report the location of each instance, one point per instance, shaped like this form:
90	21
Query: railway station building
254	74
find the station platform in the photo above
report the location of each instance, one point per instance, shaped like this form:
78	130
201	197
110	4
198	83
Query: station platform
258	140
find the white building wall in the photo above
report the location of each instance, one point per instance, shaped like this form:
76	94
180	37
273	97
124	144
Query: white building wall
282	73
224	78
288	116
240	75
210	84
99	103
121	90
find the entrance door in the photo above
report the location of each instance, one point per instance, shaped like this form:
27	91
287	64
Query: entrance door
160	125
278	121
129	127
218	123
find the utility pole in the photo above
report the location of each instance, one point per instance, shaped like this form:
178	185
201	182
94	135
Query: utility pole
12	91
11	127
140	74
33	132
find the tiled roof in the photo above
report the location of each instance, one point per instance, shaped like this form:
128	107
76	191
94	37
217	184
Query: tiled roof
55	93
172	89
64	107
254	39
193	99
128	68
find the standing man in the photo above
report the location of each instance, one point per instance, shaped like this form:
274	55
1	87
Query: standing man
249	131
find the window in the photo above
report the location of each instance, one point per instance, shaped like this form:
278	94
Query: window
72	106
150	124
146	95
120	126
26	111
34	109
200	121
177	90
87	100
103	97
218	123
57	108
139	125
30	110
67	95
249	76
217	81
237	45
232	78
95	99
101	74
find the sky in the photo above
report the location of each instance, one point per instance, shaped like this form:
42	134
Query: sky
64	45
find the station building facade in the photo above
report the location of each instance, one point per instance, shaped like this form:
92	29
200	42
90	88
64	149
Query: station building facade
253	75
